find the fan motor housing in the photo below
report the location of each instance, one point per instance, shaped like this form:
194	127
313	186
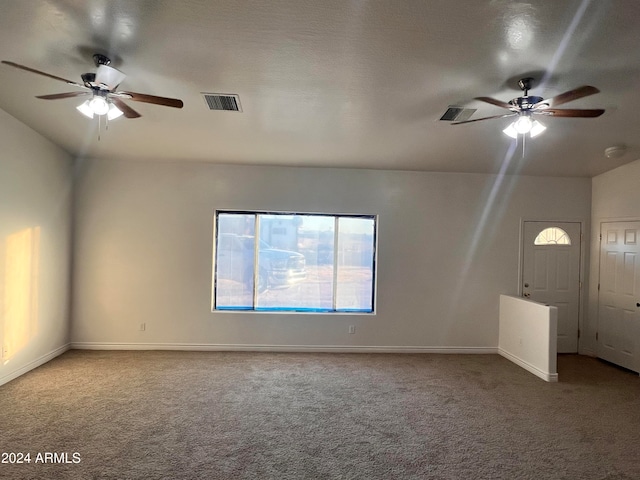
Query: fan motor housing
525	103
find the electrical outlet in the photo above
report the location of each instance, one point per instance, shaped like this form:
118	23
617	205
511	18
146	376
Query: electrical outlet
352	329
143	327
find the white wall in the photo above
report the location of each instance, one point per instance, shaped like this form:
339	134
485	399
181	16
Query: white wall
448	246
529	336
35	241
615	196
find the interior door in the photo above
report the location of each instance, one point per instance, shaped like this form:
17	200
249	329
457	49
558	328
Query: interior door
619	294
551	274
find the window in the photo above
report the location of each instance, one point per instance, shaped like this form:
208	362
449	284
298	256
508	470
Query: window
299	262
552	236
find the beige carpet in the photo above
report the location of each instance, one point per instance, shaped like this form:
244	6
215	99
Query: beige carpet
209	415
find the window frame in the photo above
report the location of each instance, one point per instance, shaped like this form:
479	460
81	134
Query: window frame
253	309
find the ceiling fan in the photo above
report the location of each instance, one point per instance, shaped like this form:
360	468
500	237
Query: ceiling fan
529	106
101	87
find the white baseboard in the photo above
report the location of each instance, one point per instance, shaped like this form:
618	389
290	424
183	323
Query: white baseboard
35	363
280	348
546	376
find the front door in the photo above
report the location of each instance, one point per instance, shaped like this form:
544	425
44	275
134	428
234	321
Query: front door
551	274
619	294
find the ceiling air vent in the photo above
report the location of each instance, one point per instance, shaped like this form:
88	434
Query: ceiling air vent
457	114
222	101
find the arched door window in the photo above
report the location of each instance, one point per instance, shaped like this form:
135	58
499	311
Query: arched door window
552	236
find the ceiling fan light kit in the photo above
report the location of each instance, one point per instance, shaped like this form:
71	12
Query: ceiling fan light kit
99	106
524	125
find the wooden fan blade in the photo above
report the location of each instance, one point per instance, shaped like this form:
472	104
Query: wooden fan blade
33	70
485	118
126	110
143	97
57	96
493	101
571	95
577	113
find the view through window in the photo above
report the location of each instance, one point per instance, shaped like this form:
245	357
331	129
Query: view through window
298	262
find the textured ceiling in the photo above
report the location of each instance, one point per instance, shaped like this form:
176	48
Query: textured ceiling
332	83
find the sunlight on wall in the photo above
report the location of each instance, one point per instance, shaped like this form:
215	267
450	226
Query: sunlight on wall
19	292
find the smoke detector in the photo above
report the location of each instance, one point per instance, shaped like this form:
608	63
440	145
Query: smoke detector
616	151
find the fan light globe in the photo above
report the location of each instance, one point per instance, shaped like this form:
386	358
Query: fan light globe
114	112
523	124
511	131
536	129
85	109
99	106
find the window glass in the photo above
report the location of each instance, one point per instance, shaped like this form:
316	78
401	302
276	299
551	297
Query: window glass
552	236
355	264
302	262
234	261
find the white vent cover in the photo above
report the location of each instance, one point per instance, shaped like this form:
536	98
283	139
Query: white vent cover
222	101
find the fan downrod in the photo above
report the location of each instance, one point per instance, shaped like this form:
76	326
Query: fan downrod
526	102
525	84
